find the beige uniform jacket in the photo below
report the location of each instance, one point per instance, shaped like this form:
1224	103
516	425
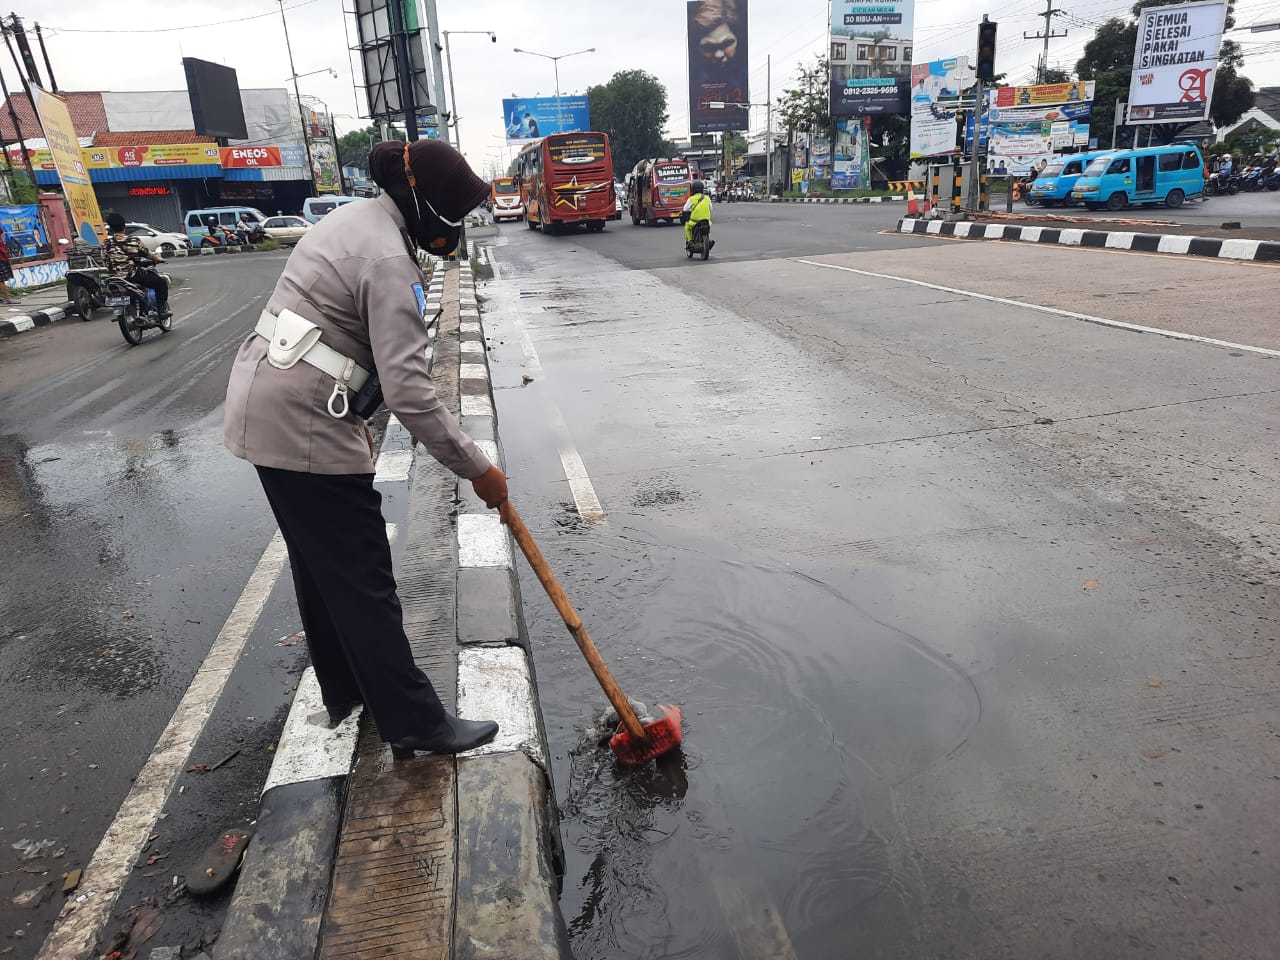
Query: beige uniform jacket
354	276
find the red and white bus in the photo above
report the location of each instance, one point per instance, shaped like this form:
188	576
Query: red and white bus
657	190
567	179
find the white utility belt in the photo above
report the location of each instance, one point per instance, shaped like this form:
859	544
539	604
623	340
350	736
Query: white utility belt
291	337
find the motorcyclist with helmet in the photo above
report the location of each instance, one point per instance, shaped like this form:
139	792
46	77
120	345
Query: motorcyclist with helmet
127	258
696	208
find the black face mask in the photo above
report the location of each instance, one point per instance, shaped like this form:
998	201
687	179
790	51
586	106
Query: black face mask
435	234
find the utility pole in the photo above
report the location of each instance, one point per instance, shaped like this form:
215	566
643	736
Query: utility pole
14	26
975	163
53	84
1049	34
297	98
768	126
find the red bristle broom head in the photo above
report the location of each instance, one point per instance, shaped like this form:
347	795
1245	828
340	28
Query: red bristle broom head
663	735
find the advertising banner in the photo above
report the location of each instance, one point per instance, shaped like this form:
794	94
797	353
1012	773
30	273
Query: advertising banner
1174	62
718	89
1048	111
157	155
529	118
324	167
23	231
820	161
933	125
64	146
1044	93
237	157
851	163
871	57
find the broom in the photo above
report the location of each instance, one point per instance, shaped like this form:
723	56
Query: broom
633	743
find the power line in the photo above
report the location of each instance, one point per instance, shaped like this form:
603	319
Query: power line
194	26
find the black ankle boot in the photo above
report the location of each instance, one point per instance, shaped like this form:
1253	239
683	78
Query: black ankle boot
340	711
454	735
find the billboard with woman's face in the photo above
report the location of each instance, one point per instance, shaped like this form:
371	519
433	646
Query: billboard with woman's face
718	95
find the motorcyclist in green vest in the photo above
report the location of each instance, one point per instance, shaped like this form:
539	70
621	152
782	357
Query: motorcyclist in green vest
698	207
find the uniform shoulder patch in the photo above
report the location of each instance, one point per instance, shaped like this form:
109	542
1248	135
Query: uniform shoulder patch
421	297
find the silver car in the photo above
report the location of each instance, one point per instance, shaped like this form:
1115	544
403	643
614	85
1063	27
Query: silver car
156	240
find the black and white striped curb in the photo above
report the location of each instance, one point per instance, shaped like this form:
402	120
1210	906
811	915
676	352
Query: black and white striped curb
280	898
10	326
837	199
210	251
1228	249
516	838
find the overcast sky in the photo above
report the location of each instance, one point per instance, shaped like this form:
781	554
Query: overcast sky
90	39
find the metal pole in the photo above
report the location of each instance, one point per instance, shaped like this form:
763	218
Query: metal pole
17	129
1121	107
768	126
15	27
974	164
306	140
453	100
555	62
53	84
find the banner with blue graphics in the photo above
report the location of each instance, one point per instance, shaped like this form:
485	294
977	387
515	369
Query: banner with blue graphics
528	118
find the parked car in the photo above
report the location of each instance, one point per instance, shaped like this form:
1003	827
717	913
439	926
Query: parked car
287	230
157	240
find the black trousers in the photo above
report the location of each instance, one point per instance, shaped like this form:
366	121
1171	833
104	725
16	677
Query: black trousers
149	278
341	560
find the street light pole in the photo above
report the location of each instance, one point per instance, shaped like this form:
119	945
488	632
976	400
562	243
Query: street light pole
306	141
453	99
556	62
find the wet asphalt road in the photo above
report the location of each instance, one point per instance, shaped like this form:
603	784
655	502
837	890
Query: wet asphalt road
129	533
957	684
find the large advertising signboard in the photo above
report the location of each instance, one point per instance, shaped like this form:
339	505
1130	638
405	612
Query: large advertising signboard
871	57
529	118
718	90
64	146
933	123
1174	62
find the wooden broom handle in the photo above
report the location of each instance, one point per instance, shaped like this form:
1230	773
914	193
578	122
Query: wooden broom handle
573	622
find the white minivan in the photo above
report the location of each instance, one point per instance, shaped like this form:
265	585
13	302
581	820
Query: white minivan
313	208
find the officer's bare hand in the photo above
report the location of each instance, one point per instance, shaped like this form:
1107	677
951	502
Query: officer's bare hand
491	487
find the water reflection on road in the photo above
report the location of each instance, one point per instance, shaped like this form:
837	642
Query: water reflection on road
772	827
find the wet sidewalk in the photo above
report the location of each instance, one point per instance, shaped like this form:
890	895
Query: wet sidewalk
440	856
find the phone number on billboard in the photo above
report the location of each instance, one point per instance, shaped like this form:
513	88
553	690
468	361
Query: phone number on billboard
868	91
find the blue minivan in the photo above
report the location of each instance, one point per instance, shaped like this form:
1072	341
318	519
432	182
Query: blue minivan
1118	178
1056	181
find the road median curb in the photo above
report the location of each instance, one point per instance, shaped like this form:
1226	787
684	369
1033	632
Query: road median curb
12	326
1165	243
837	199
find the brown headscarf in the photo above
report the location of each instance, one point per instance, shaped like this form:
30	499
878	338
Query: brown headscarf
445	181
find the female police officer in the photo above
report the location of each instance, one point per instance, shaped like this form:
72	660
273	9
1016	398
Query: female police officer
349	301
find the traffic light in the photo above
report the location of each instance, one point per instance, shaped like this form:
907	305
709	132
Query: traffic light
986	65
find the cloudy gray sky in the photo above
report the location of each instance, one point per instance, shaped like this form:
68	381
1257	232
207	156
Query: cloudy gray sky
98	44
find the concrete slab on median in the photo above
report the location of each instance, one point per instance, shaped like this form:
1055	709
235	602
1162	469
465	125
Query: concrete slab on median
507	907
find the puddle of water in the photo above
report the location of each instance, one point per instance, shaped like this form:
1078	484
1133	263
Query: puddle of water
801	711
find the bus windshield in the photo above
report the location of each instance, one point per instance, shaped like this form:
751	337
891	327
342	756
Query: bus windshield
576	149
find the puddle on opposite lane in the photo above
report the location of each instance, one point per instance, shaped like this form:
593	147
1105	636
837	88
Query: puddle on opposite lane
801	712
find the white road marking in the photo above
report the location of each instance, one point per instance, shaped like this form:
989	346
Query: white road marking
483	541
113	861
309	748
1070	314
494	683
584	492
530	352
393	466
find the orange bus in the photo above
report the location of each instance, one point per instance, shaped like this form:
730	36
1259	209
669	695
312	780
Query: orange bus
505	200
657	190
566	179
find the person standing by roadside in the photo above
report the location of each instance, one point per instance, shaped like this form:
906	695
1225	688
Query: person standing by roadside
6	268
349	302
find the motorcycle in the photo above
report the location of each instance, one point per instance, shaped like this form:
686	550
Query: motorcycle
1252	180
135	310
701	242
1218	185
